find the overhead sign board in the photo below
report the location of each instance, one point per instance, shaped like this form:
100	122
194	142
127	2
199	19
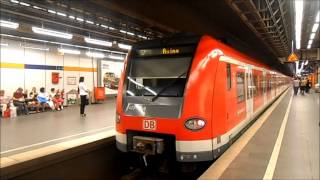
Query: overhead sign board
165	51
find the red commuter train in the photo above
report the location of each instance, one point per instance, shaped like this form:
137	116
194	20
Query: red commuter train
191	96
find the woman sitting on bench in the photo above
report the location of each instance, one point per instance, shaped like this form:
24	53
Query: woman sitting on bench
43	99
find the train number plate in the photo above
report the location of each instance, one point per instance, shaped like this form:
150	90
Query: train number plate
149	124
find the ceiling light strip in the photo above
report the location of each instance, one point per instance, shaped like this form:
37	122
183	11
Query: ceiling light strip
64	44
69	51
9	24
49	32
298	21
98	42
124	46
95	54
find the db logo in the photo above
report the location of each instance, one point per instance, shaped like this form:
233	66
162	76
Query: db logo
149	124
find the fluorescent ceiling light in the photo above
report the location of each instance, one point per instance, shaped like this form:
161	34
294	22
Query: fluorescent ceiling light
112	28
62	44
95	54
124	32
104	26
315	27
143	37
124	46
24	4
310	41
317	17
312	36
68	51
4	44
14	1
61	14
51	33
89	22
98	42
309	46
79	19
298	21
130	33
9	24
52	11
40	8
116	57
36	48
97	24
72	17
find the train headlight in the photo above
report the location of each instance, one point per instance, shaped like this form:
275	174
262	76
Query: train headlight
117	118
194	124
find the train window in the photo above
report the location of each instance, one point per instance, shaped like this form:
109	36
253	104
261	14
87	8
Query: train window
240	87
165	77
264	84
255	86
228	76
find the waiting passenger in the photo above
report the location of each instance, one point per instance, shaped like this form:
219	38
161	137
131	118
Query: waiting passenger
4	101
296	85
52	93
303	84
19	100
84	93
43	99
308	86
58	102
33	94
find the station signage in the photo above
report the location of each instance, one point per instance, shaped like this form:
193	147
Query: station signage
292	57
166	51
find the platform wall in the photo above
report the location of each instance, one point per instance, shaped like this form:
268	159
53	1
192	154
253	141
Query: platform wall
27	68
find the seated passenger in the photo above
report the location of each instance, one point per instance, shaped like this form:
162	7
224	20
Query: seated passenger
19	100
4	101
43	99
32	100
52	93
33	94
58	102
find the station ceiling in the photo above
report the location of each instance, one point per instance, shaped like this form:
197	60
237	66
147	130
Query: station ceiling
260	28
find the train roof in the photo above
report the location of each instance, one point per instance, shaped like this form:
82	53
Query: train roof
167	42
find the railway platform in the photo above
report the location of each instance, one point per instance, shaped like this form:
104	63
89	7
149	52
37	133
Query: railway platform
25	133
283	143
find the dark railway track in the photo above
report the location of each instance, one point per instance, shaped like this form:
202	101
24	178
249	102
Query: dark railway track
107	163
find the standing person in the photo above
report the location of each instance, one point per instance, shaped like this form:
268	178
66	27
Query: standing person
19	100
303	84
83	92
296	84
308	86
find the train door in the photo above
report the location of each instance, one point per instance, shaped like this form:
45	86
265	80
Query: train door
249	89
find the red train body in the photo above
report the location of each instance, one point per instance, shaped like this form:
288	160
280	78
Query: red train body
190	96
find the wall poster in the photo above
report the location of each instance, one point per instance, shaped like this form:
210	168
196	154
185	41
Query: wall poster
72	80
110	72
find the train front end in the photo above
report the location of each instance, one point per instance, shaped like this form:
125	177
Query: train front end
154	115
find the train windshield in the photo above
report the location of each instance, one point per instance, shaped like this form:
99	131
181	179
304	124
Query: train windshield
158	76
